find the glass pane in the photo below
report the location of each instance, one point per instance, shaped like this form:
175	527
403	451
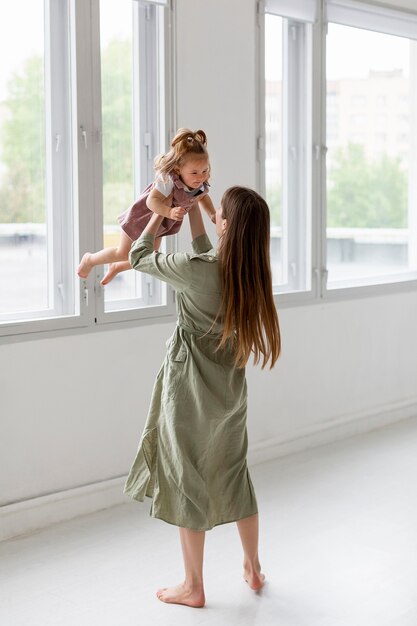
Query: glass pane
371	174
23	240
273	139
116	40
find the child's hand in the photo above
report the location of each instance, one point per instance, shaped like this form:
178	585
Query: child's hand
177	213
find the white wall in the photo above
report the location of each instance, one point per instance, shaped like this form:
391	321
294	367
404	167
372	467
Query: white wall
72	407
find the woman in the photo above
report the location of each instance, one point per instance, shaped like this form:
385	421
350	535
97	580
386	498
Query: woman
192	456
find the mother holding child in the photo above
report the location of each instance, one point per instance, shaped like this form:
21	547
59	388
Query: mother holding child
191	459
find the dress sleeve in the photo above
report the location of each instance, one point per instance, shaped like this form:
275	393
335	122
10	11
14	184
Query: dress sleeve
174	269
201	244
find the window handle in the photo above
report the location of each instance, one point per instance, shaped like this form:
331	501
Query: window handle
319	150
84	136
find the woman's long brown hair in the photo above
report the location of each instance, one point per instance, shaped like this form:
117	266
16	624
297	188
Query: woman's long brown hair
248	310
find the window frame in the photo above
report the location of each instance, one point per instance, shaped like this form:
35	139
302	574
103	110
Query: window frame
150	137
77	217
319	291
300	134
395	22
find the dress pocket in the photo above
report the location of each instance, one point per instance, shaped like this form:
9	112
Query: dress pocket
177	352
174	370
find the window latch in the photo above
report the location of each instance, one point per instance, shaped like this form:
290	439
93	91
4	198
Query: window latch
319	151
84	136
85	295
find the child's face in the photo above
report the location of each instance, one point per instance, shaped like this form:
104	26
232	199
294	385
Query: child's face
194	171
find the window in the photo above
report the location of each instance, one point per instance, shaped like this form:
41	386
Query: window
340	173
36	224
83	113
371	178
131	115
287	159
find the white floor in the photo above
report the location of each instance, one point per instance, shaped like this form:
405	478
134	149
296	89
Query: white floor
338	546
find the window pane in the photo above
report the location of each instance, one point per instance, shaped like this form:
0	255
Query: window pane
273	139
23	216
287	159
116	39
371	174
131	90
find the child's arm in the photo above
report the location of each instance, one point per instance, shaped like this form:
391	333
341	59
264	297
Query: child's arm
160	204
208	206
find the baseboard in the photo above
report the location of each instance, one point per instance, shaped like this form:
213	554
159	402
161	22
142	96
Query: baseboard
333	430
31	515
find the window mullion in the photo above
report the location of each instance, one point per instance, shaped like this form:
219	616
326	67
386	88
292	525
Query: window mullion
60	219
84	17
287	146
296	181
318	155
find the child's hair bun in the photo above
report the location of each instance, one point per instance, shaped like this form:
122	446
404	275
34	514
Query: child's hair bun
187	137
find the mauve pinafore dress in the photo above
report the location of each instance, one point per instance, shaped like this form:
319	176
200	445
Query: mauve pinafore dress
134	220
192	455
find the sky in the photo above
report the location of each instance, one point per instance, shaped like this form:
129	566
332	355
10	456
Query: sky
351	52
21	38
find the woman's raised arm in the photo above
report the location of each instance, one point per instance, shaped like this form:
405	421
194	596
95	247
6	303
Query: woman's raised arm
196	222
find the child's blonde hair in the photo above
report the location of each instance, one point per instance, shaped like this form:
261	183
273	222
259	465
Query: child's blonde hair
186	142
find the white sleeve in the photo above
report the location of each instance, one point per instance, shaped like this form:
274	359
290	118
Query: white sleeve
163	187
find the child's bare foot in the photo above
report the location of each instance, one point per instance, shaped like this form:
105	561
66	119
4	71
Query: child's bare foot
255	580
114	269
182	595
85	266
110	274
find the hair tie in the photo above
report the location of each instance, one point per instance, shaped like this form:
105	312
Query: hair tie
190	139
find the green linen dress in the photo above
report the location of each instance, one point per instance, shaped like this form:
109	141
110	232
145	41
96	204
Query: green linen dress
192	455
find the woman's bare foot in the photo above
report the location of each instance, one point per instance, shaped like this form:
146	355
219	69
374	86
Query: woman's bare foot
85	266
255	580
182	595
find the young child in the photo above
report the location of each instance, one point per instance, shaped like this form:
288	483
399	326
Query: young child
181	180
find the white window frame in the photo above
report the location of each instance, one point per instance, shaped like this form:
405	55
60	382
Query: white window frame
150	127
372	17
76	220
392	22
297	164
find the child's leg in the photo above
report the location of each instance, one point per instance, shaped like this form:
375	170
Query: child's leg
122	266
107	255
249	533
191	591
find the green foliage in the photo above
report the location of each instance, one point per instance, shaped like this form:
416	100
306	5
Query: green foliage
22	193
117	129
22	139
274	200
117	197
366	194
360	193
